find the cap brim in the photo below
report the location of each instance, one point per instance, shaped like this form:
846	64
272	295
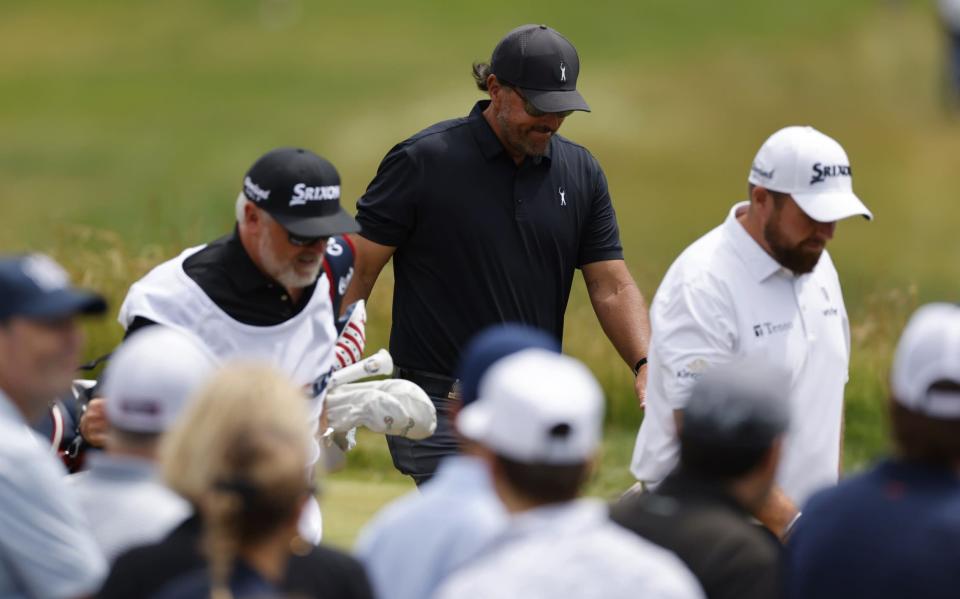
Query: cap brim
473	422
66	302
556	101
830	207
319	226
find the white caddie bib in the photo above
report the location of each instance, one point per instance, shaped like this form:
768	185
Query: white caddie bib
301	347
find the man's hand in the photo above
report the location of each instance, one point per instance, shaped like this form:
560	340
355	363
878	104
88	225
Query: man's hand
93	423
777	512
640	386
622	313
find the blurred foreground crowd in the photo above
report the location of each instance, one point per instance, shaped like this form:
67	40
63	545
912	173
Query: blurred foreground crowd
201	484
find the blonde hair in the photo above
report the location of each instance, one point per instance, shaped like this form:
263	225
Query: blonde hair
239	455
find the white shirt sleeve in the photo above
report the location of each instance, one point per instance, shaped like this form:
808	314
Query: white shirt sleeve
694	330
45	546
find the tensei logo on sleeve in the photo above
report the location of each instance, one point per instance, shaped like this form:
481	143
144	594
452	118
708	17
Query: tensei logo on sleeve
302	193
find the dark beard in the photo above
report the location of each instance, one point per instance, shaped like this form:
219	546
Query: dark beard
794	258
517	142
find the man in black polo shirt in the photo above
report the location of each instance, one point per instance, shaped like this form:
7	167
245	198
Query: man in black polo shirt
487	218
730	443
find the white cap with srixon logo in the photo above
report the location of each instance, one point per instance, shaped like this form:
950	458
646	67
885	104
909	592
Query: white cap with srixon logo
928	353
150	378
811	167
536	407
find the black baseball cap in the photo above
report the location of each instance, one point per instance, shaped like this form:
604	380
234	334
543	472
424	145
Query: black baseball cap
34	286
543	64
301	191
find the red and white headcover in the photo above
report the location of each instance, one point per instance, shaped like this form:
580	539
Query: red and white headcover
353	338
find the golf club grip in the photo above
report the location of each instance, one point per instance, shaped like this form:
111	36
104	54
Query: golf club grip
379	363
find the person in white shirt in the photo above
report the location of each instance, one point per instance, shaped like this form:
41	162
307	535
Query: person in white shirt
148	382
415	543
46	548
762	285
538	421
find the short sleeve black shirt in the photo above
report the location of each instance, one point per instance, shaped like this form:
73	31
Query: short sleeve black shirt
479	239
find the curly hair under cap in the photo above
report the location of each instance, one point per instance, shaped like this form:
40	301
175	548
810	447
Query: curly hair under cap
481	71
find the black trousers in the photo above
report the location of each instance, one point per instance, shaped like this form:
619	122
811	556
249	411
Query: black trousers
419	459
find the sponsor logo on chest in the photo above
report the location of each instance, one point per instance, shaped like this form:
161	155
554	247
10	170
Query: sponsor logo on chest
770	328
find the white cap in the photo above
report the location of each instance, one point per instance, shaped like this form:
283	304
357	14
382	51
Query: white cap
929	352
811	167
150	378
537	407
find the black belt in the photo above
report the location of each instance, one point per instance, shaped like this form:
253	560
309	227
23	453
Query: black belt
436	385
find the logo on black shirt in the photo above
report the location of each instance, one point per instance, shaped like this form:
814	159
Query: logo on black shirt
563	196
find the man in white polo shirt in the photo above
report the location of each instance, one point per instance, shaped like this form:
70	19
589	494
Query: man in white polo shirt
762	284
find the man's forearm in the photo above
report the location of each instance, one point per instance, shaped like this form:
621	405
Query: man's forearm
370	259
623	316
359	289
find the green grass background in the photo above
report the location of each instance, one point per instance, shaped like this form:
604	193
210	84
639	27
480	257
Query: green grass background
126	127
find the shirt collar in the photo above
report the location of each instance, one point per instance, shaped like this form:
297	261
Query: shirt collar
760	264
488	141
566	517
107	465
680	484
462	473
240	268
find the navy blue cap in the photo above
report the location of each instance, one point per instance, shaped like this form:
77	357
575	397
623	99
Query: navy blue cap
492	344
34	286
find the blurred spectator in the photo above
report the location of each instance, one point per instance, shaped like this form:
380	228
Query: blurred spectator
538	423
894	531
416	542
147	384
730	446
46	549
237	456
950	17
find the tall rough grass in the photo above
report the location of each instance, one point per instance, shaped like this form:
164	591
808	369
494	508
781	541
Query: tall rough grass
100	260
